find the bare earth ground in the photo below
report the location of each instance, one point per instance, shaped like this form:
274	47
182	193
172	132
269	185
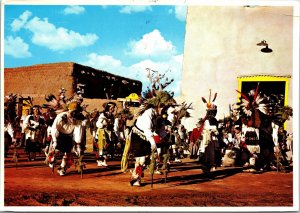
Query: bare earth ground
33	184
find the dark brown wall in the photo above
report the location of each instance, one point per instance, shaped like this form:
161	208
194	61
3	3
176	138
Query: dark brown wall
101	84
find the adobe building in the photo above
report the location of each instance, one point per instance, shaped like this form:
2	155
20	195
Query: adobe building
39	80
223	52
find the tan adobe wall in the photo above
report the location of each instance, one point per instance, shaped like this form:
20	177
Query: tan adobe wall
38	80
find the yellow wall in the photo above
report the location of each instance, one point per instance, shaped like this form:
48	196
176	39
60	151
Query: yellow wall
220	46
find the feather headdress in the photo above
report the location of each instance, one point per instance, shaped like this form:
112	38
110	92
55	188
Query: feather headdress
54	104
156	95
62	103
10	103
210	105
251	106
182	112
161	98
254	101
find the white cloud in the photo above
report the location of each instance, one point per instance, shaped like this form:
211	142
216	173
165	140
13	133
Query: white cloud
103	62
73	9
180	12
135	9
16	47
152	45
171	67
18	23
57	39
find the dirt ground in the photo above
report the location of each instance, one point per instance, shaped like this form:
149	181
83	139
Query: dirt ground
33	184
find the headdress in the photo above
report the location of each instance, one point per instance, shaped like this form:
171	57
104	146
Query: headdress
251	105
254	101
62	104
107	105
73	106
160	99
210	105
156	95
10	103
181	111
35	107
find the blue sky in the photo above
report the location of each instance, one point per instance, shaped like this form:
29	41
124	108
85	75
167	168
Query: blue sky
124	40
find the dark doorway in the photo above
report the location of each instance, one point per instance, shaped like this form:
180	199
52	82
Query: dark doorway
265	87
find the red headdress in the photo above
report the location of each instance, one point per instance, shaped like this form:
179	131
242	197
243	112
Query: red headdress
251	105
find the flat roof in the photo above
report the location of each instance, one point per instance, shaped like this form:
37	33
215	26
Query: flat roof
264	75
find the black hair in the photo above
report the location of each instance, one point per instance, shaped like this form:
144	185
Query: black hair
107	105
31	109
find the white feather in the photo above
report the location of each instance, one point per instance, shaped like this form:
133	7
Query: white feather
245	101
247	112
262	108
259	99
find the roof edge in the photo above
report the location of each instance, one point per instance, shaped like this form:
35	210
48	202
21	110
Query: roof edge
265	75
45	64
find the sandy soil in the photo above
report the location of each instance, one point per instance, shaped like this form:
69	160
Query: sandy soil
33	184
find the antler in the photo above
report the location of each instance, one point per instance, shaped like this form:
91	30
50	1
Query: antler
156	80
183	112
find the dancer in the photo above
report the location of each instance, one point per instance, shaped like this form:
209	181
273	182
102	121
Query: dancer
62	133
105	136
34	128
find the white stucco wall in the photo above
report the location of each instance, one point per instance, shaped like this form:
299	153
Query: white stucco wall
220	45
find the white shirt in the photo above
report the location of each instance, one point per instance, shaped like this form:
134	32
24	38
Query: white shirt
59	125
145	122
102	121
23	118
207	126
29	123
212	128
117	130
